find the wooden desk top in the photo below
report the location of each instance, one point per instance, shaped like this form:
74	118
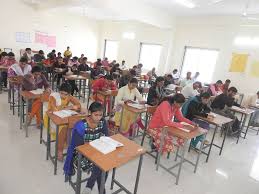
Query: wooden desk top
115	159
219	120
186	135
59	70
74	77
15	80
3	68
29	95
86	74
246	111
108	93
63	121
135	110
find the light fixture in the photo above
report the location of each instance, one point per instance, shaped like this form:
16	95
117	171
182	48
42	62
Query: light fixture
186	3
128	35
246	41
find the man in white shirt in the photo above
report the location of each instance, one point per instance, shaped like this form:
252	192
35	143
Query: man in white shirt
191	90
176	76
188	80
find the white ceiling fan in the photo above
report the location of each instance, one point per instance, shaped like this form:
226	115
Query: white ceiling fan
246	15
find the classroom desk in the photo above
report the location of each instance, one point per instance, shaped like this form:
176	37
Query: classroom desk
80	79
58	122
111	161
244	114
217	121
57	71
2	69
87	74
187	136
256	109
107	94
27	96
136	112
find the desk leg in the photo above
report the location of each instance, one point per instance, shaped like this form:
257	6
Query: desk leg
84	86
56	152
242	126
19	104
145	130
159	152
79	89
224	138
21	111
13	97
211	143
248	125
181	163
138	173
41	124
27	116
199	154
113	176
48	139
102	186
78	177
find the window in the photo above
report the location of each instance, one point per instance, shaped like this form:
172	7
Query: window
200	60
111	49
149	55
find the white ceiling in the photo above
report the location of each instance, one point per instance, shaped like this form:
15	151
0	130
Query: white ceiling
156	12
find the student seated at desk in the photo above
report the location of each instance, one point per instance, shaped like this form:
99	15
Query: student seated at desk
221	105
34	81
156	92
127	94
59	64
169	108
168	80
124	80
90	128
187	80
191	90
73	71
152	74
197	106
115	68
215	89
97	71
20	69
84	66
8	61
104	83
59	101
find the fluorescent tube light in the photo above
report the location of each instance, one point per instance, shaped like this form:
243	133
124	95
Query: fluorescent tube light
186	3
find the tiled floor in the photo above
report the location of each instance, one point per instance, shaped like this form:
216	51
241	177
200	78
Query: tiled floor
24	169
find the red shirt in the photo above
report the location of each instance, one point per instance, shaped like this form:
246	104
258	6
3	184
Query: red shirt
164	114
102	83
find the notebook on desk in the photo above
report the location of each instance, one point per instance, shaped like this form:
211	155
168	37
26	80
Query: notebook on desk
65	113
137	106
105	145
38	91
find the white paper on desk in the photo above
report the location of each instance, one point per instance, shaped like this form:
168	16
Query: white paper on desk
65	113
105	145
38	91
137	106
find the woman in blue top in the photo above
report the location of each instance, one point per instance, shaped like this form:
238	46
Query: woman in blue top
92	127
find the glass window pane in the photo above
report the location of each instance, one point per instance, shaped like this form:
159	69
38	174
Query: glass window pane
111	49
200	60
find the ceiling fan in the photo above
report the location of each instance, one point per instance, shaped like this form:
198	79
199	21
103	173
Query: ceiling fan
248	16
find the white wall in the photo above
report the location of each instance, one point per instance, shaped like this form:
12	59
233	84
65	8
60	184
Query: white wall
217	33
129	49
81	34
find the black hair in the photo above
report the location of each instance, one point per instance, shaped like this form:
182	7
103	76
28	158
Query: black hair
28	49
175	70
178	98
109	77
133	72
3	54
135	66
219	82
41	52
99	60
105	58
96	106
228	81
53	51
205	95
232	89
10	54
159	79
169	75
59	53
75	58
141	65
133	81
84	58
257	92
23	60
199	83
123	61
68	47
66	87
36	69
